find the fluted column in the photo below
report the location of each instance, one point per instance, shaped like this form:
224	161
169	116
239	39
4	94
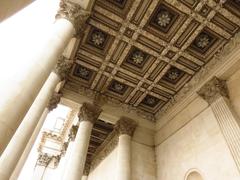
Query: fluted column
125	128
215	92
20	91
88	114
15	148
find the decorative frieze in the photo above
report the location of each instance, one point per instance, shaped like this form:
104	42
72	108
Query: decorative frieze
74	13
89	112
213	89
62	67
54	100
126	126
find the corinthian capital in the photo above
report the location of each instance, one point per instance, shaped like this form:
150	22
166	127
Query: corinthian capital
54	100
126	126
213	89
62	67
73	12
89	112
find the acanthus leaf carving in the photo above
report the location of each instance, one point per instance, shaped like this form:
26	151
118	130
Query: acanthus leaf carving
74	13
89	112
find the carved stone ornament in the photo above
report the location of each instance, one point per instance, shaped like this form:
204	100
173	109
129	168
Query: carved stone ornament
73	132
213	89
89	112
104	99
62	67
44	159
125	126
74	13
54	100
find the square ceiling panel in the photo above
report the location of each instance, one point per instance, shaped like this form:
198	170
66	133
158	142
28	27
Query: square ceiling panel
165	21
137	61
117	87
205	44
97	38
141	53
174	78
163	18
151	103
96	41
82	74
137	58
173	75
204	41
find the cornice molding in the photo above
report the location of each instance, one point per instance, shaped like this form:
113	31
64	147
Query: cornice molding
215	67
104	99
74	13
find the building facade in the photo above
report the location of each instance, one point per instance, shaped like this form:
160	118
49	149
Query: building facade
153	88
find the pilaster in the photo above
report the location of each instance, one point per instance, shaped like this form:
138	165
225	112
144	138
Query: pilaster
215	92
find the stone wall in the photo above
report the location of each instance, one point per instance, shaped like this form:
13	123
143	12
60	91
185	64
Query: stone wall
192	140
197	145
143	159
105	170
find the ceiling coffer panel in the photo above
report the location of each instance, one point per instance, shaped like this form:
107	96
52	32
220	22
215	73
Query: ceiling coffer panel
142	52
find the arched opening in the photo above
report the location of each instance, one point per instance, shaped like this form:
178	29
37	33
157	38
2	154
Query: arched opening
194	176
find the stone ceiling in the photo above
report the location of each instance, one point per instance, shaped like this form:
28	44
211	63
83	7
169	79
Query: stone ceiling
142	52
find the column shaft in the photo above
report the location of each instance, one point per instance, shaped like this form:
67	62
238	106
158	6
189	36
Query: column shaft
84	177
124	157
78	157
29	146
228	123
21	91
15	148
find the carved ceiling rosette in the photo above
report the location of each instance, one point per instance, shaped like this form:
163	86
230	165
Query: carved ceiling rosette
89	112
125	126
74	13
213	89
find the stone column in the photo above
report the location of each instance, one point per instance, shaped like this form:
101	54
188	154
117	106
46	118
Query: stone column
20	91
125	128
87	116
29	146
15	148
84	177
215	92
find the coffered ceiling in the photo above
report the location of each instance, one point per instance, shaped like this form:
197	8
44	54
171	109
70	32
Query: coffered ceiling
142	52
